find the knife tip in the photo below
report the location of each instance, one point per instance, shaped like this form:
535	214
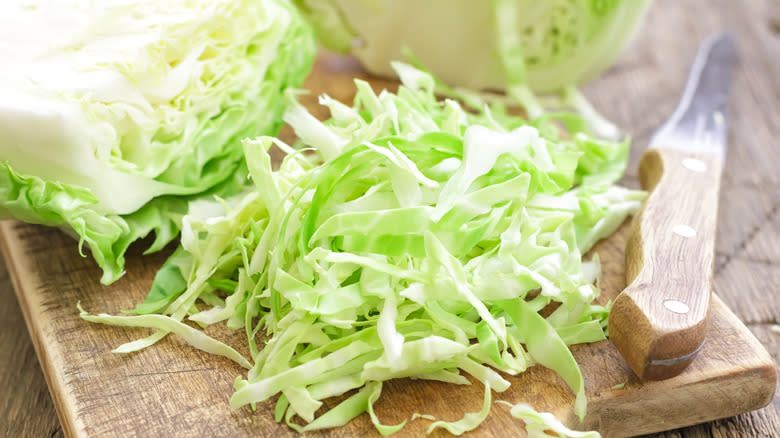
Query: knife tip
724	45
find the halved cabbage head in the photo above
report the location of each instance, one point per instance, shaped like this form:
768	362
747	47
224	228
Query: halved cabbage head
114	114
482	44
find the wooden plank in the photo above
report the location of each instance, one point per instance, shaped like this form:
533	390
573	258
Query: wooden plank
26	406
173	389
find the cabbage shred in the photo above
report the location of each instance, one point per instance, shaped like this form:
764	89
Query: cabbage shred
417	240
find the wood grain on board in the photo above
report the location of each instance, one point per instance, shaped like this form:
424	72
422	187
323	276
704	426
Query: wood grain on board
637	93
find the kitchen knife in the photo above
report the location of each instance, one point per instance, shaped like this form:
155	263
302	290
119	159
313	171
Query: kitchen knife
659	322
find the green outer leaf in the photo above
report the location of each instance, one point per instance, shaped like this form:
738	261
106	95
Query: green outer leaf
32	199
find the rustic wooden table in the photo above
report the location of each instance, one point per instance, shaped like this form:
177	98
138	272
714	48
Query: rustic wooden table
638	93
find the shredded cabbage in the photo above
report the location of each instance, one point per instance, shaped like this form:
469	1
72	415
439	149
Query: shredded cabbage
114	114
544	424
547	46
420	240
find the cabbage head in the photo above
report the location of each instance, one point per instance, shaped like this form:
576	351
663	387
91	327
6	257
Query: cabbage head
114	115
521	46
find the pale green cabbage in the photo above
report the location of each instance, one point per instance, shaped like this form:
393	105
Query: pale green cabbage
521	46
420	240
544	424
113	114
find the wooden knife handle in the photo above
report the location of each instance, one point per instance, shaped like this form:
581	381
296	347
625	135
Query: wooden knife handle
659	321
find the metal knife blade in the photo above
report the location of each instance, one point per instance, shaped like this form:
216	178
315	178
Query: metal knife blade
659	322
699	121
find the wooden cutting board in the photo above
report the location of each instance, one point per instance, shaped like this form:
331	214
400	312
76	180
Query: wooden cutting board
174	390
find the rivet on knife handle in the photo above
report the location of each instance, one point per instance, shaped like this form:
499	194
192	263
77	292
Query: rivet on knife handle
659	321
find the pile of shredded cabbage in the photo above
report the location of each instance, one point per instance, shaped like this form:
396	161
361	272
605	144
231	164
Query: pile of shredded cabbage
420	239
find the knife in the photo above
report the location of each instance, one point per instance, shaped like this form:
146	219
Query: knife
658	323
